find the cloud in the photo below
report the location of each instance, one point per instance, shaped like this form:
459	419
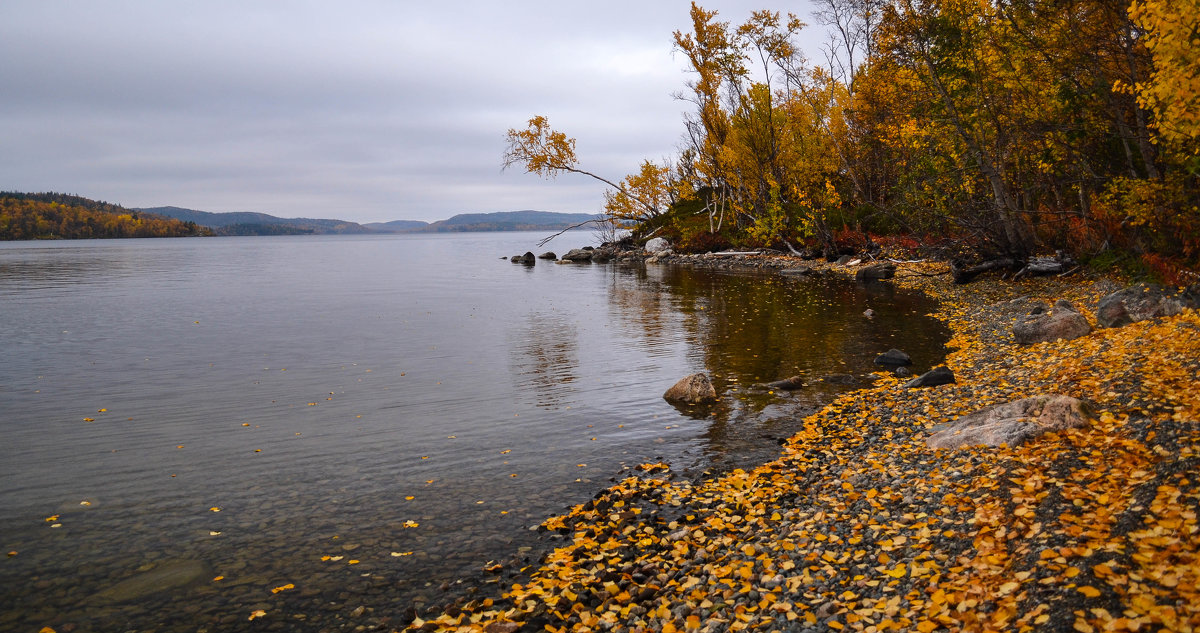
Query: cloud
368	110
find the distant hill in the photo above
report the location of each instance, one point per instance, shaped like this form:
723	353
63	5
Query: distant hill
507	221
60	216
249	223
396	226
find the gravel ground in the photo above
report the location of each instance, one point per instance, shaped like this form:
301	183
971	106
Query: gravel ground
859	526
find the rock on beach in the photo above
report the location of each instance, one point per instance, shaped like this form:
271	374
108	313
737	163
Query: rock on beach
1061	322
1013	423
1142	302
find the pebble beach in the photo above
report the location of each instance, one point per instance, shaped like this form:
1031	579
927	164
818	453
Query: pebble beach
859	525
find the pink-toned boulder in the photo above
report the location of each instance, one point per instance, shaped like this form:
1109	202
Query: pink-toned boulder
1063	321
694	389
1012	423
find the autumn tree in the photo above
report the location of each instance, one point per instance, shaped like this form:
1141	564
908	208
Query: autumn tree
546	152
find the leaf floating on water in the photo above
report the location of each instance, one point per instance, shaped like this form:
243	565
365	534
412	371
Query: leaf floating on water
218	579
89	420
398	554
85	502
336	558
101	410
283	588
409	498
258	450
257	613
353	561
214	533
245	424
52	518
411	524
56	525
12	553
46	629
215	509
506	451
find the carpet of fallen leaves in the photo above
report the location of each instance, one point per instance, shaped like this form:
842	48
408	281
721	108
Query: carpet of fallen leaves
859	527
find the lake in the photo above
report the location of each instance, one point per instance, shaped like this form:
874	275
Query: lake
335	429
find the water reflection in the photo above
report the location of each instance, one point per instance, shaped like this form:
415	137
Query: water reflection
545	360
746	329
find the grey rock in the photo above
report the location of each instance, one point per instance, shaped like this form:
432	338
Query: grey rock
787	384
843	260
659	256
578	255
932	378
1142	302
1061	322
901	372
1013	423
893	357
693	389
657	244
875	272
840	379
548	255
799	271
869	313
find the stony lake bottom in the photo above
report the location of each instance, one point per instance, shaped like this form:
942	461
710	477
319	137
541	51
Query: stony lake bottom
341	428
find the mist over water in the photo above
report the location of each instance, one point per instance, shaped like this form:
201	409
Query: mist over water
268	410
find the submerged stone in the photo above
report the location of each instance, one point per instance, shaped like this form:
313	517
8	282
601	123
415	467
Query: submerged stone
168	574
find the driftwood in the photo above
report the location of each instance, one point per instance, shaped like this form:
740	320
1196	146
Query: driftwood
967	275
1034	266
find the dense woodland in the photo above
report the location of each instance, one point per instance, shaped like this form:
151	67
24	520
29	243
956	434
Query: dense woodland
988	129
47	216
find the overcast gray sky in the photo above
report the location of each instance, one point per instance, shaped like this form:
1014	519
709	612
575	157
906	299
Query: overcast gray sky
365	110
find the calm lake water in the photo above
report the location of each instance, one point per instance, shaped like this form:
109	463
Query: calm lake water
363	421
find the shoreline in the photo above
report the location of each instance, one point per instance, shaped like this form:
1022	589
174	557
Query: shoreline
857	525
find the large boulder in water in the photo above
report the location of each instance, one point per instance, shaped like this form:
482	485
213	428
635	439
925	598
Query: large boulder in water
693	389
1012	423
1061	322
1142	302
578	255
893	358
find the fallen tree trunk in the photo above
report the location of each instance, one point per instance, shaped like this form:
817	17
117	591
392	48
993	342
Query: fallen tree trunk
967	275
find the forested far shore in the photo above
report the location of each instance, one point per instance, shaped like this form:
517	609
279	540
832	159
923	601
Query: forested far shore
49	216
